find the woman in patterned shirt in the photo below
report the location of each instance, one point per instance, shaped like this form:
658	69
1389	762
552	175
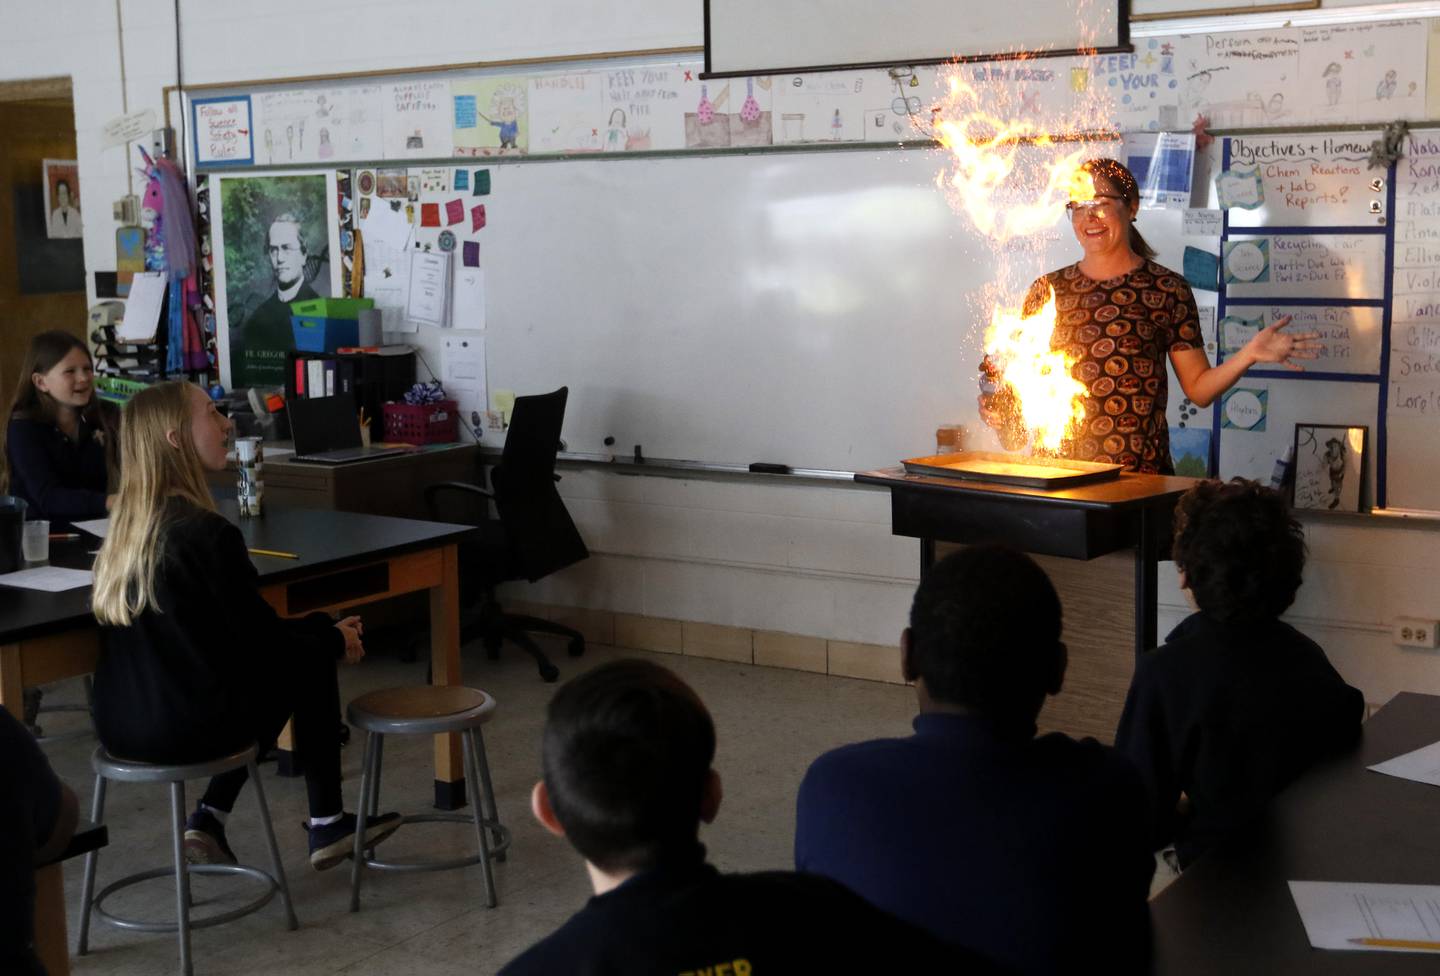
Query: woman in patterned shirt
1120	316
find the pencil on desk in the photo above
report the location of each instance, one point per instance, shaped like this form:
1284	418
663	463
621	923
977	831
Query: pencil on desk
1397	943
275	553
62	536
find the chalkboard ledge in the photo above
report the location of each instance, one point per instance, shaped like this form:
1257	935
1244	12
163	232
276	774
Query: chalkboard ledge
679	468
1398	518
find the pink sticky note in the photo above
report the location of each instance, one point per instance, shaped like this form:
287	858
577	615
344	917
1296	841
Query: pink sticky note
429	215
477	216
472	254
454	211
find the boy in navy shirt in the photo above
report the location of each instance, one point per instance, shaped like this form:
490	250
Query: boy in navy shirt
1236	704
627	753
1031	850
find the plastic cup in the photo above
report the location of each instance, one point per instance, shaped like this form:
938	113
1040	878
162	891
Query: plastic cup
35	542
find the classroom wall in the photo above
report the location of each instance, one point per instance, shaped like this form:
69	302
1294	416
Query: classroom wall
796	558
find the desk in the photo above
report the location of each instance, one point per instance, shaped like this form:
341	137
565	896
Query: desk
1231	912
346	560
393	485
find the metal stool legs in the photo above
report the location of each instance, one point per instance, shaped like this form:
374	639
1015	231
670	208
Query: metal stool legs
477	801
87	887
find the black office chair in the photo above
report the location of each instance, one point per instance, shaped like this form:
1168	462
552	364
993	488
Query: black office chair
532	537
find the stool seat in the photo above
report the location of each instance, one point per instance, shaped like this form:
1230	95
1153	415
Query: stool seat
135	771
420	709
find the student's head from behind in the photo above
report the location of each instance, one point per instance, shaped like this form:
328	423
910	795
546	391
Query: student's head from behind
170	435
984	635
627	752
57	371
1238	550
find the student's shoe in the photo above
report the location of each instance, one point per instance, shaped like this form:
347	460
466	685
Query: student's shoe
332	843
205	840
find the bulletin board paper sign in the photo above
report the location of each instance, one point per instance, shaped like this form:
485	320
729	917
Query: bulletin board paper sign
1240	188
1244	409
1237	330
1339	266
565	112
1246	261
643	107
223	133
1202	223
1362	72
318	125
502	117
1350	337
142	307
417	119
128	128
1163	165
1314	179
468	300
1202	269
1238	79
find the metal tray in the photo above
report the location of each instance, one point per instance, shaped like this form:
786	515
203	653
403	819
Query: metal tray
1013	469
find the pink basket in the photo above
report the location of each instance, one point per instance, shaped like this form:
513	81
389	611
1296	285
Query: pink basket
428	423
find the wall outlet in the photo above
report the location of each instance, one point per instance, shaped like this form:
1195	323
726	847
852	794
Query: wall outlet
1414	632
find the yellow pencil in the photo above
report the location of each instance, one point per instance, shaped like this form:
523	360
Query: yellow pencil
274	552
1397	943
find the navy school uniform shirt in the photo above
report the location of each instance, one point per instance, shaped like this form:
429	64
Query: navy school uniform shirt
1033	851
62	480
29	807
1229	714
688	919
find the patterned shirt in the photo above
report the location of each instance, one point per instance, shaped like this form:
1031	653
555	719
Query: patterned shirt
1120	332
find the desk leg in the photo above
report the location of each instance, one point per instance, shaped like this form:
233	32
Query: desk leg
52	943
12	682
445	670
1146	582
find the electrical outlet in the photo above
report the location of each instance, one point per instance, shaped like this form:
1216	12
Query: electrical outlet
1414	632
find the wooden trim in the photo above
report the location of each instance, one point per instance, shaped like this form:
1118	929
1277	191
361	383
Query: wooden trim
31	89
52	941
1227	11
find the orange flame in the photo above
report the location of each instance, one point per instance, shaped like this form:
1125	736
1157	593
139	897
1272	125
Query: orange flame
1050	400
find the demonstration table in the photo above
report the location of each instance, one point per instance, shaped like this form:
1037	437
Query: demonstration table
345	560
1231	911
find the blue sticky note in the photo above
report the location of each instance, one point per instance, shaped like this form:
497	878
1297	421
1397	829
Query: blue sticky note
465	111
461	180
1202	269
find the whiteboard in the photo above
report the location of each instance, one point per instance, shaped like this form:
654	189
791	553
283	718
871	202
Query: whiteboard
811	309
760	36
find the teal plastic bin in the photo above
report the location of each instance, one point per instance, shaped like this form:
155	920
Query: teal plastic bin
325	324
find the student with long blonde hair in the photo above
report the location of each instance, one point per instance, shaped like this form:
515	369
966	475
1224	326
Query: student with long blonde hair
194	664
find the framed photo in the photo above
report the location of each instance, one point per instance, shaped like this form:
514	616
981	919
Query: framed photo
61	184
1329	467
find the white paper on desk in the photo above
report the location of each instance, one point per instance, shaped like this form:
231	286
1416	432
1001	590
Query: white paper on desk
1422	765
1334	912
51	579
101	527
142	307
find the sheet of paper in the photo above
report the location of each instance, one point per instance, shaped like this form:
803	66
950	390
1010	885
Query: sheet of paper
467	309
223	133
416	119
564	112
142	307
50	579
387	235
1335	912
462	368
1422	765
98	527
1200	223
429	296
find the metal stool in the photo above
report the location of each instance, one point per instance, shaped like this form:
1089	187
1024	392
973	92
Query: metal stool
108	767
425	710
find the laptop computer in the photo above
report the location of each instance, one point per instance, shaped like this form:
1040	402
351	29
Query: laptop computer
327	431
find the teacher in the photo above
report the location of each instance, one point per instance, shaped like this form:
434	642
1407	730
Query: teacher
1119	315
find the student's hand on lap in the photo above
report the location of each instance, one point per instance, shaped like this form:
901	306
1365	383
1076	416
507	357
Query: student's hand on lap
352	628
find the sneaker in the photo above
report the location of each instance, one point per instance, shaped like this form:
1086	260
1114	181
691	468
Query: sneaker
205	840
332	843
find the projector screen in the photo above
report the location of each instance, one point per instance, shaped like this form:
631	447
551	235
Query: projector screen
758	37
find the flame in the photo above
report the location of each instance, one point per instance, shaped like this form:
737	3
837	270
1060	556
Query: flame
1051	401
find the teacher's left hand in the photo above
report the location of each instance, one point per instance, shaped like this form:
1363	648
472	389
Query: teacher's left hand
1270	345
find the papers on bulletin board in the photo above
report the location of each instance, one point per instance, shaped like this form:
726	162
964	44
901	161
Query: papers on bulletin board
50	579
468	306
1201	223
462	368
1163	164
565	112
1357	72
1336	914
317	125
642	108
416	118
223	133
1421	765
387	234
429	290
142	307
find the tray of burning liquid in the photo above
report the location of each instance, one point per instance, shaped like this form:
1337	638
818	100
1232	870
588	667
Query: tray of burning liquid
1013	469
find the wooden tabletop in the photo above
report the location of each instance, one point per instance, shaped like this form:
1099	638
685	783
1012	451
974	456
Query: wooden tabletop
1231	912
322	539
1126	491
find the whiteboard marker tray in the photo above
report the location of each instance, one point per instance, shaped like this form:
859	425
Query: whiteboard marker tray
1013	469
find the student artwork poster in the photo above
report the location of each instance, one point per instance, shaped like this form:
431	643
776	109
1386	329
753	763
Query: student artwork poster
277	236
491	116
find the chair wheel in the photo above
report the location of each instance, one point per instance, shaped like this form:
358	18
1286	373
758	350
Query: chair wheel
576	647
549	673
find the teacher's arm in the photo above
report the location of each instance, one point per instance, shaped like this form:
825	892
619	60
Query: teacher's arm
1202	382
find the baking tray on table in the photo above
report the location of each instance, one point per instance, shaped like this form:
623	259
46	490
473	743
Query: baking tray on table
1013	469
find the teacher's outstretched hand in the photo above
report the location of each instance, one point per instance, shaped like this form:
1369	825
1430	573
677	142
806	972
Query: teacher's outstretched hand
1270	345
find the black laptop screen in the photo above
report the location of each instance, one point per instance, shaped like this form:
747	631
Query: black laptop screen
324	424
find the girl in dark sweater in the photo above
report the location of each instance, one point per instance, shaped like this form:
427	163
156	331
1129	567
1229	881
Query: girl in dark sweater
194	664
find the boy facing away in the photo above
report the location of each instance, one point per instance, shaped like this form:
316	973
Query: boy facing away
627	780
1236	703
1031	850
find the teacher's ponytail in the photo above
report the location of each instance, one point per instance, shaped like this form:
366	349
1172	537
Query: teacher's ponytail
1119	176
